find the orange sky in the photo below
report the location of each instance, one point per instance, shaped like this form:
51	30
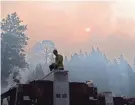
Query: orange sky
67	23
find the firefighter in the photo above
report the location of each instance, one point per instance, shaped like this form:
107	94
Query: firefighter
58	61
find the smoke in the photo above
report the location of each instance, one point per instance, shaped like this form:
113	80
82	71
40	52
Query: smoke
68	20
108	75
65	24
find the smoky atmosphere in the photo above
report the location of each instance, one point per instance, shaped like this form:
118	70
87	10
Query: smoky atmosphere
92	40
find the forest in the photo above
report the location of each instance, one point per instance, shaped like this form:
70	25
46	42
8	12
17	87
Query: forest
19	66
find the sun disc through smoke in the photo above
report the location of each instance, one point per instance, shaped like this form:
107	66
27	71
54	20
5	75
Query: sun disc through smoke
87	29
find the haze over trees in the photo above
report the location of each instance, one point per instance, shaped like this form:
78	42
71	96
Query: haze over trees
13	41
117	76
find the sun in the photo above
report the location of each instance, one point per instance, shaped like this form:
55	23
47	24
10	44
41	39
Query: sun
87	29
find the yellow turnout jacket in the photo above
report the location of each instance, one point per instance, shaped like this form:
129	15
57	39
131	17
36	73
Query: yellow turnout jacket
59	61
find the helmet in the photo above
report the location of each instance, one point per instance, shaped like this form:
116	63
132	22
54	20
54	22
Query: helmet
55	51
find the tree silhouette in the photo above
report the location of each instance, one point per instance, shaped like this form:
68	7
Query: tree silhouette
116	76
44	50
13	41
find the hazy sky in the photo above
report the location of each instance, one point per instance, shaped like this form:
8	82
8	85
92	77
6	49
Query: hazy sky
109	25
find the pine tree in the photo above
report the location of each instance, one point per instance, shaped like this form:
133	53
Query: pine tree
39	72
13	41
131	76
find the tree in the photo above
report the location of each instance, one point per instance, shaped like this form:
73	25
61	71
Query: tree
39	72
13	41
131	75
44	50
